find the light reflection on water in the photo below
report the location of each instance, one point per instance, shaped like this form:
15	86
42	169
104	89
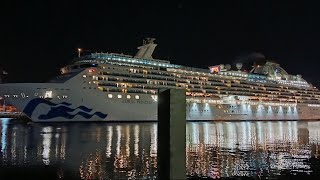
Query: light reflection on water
122	151
228	149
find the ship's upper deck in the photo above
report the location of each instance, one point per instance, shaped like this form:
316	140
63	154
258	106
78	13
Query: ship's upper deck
270	72
113	57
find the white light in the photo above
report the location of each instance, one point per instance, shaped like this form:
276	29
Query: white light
109	95
154	97
46	143
48	94
128	96
137	97
314	105
119	96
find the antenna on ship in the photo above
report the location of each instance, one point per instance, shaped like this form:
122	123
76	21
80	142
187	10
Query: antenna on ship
147	48
2	74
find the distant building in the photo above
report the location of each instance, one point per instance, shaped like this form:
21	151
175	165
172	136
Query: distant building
4	107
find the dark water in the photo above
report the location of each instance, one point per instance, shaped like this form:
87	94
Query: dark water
129	151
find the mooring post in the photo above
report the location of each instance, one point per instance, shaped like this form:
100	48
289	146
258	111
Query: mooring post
172	134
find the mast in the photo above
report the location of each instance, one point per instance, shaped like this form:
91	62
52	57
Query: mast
2	74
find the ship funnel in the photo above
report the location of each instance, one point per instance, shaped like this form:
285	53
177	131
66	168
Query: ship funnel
146	50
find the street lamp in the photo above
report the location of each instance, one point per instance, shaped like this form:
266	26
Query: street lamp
79	51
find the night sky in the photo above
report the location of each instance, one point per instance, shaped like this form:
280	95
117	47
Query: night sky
39	37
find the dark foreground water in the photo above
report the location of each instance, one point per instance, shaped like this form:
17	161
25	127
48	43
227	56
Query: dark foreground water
129	151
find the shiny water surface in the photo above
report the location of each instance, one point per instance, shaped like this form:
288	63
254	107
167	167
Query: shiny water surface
129	151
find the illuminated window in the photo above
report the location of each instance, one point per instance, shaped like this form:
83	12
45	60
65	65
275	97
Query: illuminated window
128	96
109	95
64	96
48	94
91	70
94	78
119	96
137	97
84	76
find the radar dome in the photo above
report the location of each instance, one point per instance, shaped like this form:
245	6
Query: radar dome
239	66
227	66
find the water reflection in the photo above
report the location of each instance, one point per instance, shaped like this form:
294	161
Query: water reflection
129	151
88	151
225	149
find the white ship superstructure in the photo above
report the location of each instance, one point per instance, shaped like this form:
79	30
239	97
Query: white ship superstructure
118	87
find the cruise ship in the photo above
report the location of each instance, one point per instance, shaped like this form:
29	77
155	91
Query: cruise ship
119	87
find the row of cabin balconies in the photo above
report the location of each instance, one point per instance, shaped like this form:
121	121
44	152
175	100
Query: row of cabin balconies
163	76
173	83
205	77
198	93
153	71
290	88
177	85
180	80
218	78
173	78
239	91
126	66
283	88
128	90
186	81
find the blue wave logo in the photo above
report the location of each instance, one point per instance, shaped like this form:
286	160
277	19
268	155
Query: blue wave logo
60	110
